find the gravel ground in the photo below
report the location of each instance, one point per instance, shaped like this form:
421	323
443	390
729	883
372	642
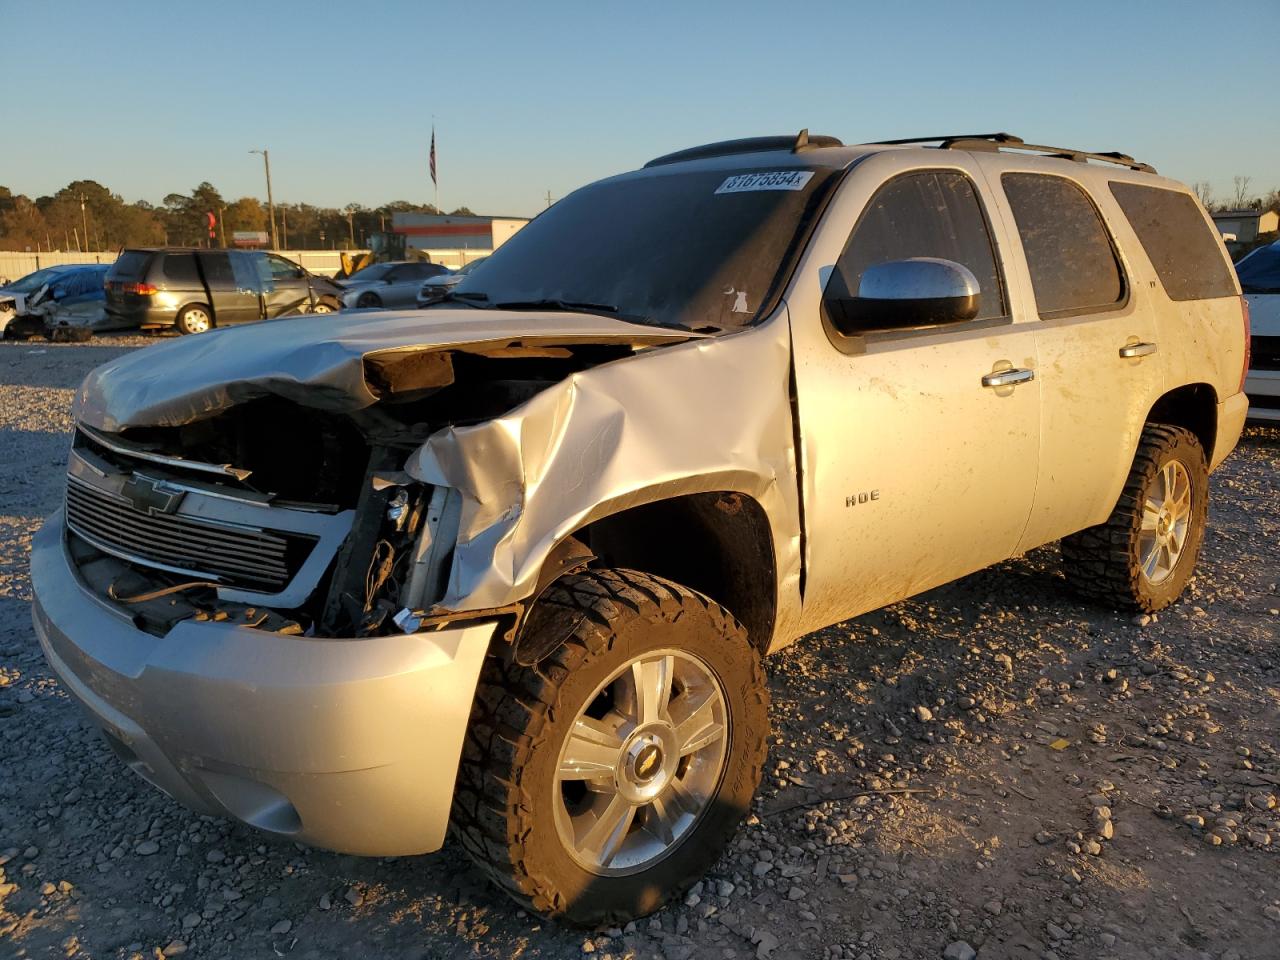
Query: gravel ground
1004	769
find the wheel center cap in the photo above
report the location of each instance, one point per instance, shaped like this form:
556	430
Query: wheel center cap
647	763
646	768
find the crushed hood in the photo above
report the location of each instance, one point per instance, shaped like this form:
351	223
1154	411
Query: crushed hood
318	360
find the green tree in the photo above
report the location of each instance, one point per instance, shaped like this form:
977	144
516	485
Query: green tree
185	214
22	226
245	214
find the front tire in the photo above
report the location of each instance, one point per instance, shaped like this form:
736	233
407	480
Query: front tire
325	306
1143	556
196	318
606	780
368	300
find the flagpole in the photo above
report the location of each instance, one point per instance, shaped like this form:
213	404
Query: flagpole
435	176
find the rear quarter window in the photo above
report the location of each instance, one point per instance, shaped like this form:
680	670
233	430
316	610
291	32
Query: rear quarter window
1069	252
181	268
1177	241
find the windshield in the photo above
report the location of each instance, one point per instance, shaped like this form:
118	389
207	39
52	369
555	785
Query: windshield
34	281
370	274
684	249
1259	272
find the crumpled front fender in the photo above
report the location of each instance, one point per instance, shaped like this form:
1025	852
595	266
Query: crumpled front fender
705	416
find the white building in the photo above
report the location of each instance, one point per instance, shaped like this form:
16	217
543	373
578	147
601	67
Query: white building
454	241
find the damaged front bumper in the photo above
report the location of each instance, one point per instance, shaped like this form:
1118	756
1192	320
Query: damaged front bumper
347	744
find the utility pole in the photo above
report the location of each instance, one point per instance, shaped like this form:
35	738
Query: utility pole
284	225
271	204
549	200
84	220
222	227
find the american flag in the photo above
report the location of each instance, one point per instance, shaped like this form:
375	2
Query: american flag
433	156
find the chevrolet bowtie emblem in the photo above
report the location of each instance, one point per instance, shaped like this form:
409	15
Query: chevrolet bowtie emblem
152	496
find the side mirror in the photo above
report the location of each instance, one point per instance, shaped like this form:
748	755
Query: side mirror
905	294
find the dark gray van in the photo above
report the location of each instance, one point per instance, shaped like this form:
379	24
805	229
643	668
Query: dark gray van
195	290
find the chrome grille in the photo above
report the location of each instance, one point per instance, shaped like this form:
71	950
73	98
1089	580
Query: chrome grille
242	557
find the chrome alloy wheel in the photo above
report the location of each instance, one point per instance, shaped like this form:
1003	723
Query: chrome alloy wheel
1166	518
641	763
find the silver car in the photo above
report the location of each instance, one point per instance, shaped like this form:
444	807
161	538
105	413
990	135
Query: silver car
434	289
388	284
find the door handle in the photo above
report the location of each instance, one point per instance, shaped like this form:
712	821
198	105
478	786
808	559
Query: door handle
1137	350
1007	378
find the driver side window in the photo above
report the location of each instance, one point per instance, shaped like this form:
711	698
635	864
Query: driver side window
931	213
282	269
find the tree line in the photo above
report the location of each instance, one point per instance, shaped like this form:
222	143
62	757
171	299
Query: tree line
1242	196
85	215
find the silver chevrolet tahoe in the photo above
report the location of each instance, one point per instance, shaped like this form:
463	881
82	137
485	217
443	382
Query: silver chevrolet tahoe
509	565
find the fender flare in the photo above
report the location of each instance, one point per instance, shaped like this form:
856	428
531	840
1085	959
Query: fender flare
543	629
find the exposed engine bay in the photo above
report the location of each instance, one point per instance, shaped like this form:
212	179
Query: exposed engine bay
288	518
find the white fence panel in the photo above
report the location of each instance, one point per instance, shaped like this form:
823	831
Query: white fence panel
14	265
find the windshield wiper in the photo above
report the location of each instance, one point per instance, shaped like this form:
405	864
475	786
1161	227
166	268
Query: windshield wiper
569	306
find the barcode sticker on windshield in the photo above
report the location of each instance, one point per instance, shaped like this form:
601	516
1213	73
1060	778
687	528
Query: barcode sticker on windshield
768	180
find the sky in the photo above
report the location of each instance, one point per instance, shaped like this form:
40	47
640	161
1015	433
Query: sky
535	98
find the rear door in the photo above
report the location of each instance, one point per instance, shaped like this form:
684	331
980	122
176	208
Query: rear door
286	288
233	287
1096	339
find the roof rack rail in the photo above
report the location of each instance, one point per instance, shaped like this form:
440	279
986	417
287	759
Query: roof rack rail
795	144
993	142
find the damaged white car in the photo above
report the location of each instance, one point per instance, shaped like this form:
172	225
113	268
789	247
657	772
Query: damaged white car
510	564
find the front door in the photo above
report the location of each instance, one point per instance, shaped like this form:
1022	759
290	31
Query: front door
918	447
285	284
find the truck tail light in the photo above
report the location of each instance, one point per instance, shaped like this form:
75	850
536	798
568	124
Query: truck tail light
1248	341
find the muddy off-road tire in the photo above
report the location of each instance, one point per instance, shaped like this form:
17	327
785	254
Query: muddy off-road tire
1143	556
593	804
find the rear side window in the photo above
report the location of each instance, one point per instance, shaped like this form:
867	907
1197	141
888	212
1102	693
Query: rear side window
131	263
1069	253
933	213
1178	242
418	271
181	267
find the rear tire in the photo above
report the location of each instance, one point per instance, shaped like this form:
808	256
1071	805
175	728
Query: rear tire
1143	556
325	306
552	751
196	318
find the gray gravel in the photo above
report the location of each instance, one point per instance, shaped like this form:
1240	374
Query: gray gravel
1002	769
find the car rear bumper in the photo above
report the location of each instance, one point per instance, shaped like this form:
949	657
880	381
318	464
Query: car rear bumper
351	745
124	315
1263	390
